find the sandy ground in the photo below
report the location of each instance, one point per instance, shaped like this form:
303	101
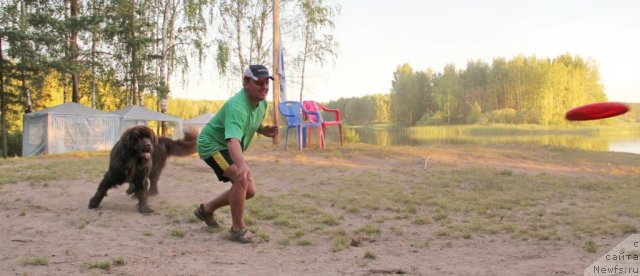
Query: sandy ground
53	220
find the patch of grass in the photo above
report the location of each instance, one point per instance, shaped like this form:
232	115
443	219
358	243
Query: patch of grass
371	229
340	242
173	214
104	265
545	235
353	210
444	232
396	230
38	260
287	221
284	242
506	173
298	233
177	232
411	209
381	219
45	169
147	234
304	243
191	218
421	244
370	255
329	219
590	246
120	261
249	220
627	228
214	230
440	216
422	221
104	223
178	213
261	234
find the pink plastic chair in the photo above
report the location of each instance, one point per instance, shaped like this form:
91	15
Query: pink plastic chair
313	106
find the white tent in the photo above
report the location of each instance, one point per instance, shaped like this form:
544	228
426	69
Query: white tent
199	122
68	127
138	115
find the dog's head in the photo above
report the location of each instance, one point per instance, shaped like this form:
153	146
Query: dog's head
139	140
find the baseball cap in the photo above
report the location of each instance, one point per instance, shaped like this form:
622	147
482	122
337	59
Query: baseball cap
256	72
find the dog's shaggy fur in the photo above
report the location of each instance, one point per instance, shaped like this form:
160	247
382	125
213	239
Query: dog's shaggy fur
138	158
130	161
165	148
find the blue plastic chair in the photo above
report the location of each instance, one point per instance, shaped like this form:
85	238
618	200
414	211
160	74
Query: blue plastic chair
293	112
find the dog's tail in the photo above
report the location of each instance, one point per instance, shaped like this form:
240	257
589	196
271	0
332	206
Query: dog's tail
185	146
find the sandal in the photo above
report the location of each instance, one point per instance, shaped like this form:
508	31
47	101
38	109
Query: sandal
207	217
244	236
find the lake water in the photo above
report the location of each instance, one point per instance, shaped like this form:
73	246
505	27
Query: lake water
413	137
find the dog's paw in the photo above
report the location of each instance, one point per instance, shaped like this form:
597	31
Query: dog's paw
93	203
131	189
145	210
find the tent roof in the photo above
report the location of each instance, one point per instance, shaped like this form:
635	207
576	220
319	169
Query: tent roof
70	108
199	120
136	112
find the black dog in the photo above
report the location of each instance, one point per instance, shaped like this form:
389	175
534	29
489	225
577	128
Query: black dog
130	161
167	147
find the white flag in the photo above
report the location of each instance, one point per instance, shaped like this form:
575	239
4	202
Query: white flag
283	91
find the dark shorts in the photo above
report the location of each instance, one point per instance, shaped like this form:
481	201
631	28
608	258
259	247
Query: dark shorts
220	161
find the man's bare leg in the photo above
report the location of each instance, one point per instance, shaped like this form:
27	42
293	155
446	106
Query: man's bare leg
235	197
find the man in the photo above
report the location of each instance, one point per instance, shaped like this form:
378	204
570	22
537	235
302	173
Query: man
222	143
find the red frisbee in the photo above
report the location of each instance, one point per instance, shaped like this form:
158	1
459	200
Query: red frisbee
596	111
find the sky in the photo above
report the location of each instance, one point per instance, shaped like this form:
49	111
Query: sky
375	36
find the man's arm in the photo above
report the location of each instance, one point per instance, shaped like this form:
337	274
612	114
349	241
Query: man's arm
242	169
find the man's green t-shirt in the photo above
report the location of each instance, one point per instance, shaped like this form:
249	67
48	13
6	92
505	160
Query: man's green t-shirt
236	119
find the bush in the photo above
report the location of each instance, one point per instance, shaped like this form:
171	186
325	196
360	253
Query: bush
14	144
504	116
437	118
474	116
528	116
351	136
484	119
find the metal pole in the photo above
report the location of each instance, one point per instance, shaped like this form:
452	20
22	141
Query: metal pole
276	78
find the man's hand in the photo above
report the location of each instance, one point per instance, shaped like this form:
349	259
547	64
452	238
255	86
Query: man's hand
242	170
243	174
269	131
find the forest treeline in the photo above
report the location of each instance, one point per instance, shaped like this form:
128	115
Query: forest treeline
520	90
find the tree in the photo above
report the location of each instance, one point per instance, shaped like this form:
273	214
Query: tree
129	32
497	85
233	15
475	84
96	7
448	91
3	104
29	30
75	94
408	95
181	32
308	22
316	44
